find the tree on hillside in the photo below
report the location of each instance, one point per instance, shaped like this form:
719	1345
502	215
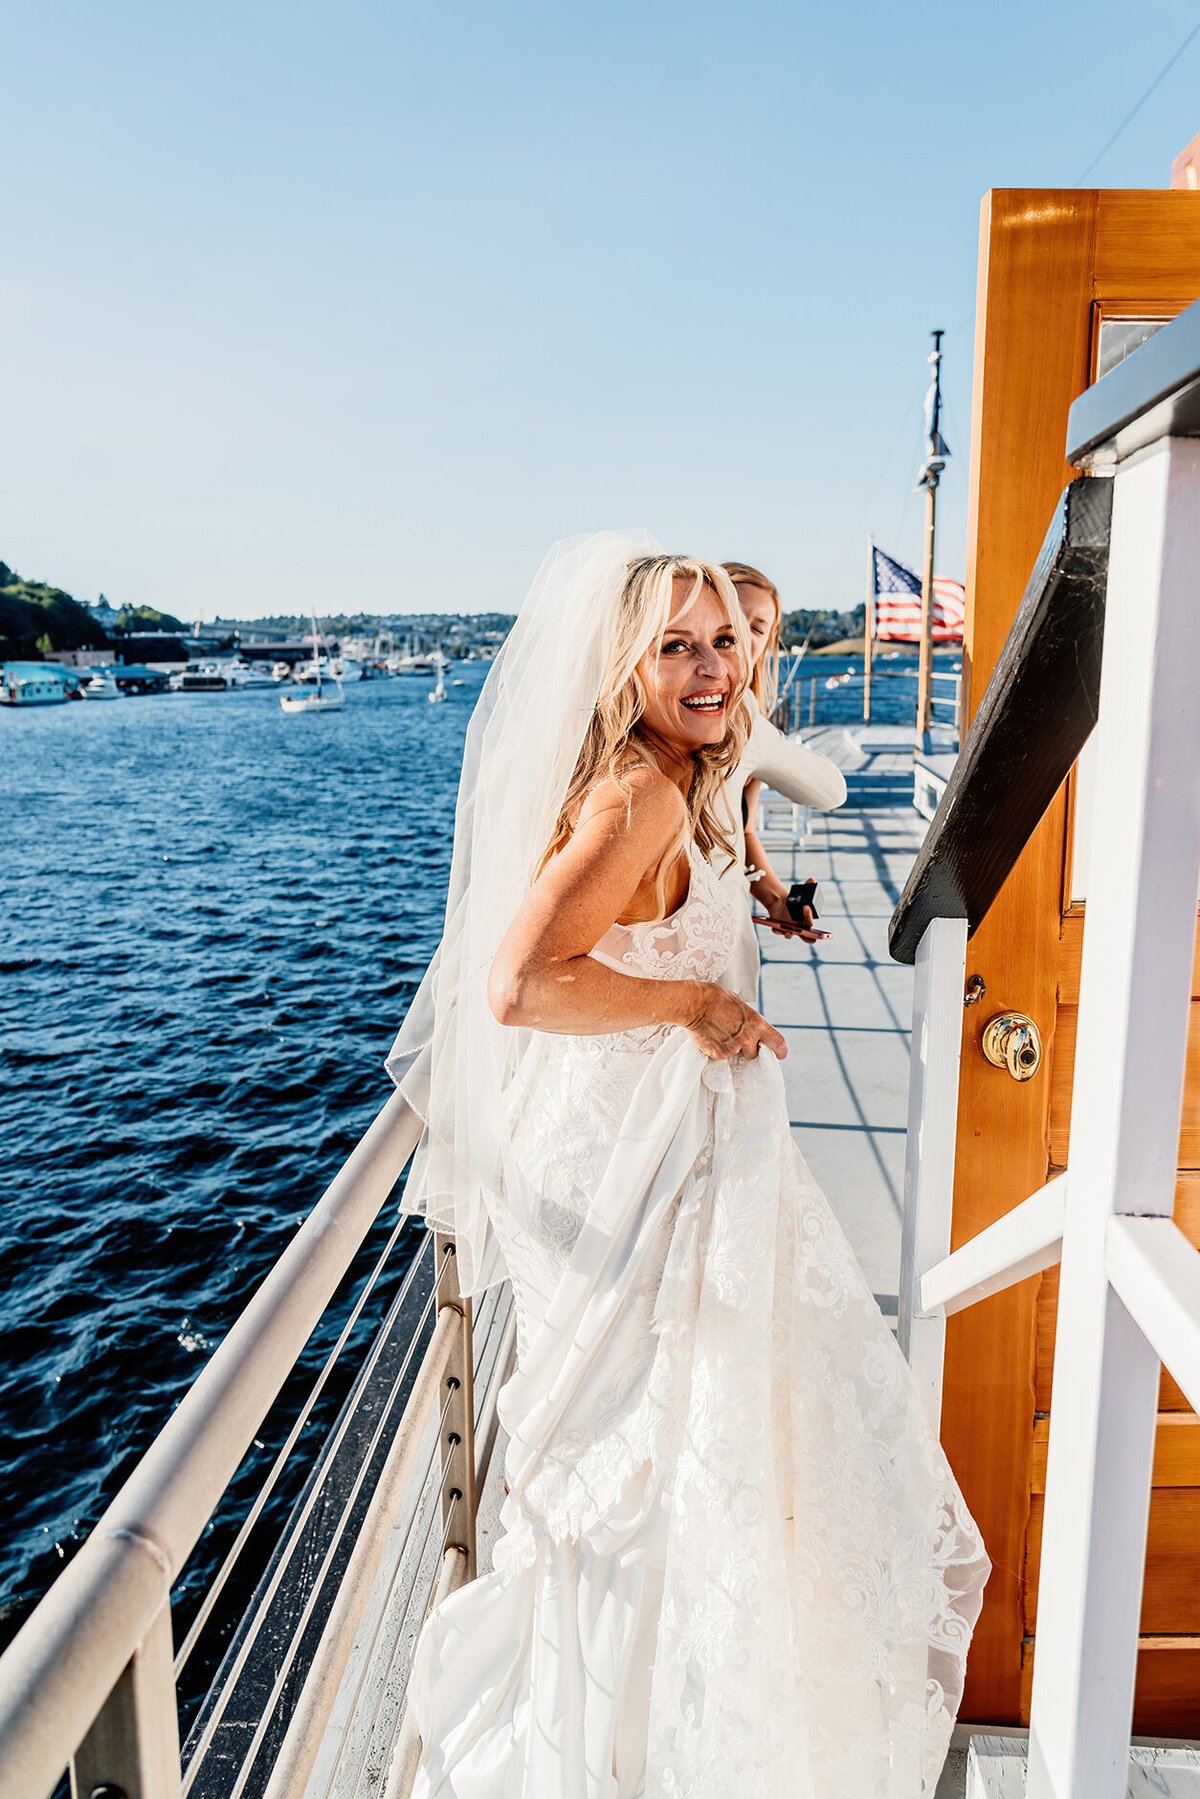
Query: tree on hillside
36	619
147	618
826	626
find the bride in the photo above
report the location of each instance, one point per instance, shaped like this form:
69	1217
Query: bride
736	1563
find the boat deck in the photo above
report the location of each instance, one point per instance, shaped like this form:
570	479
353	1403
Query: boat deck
844	1006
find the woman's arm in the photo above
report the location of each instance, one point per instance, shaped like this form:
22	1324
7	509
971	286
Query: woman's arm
766	885
543	975
798	774
767	888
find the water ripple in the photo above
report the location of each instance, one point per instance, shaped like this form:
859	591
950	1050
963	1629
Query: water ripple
219	914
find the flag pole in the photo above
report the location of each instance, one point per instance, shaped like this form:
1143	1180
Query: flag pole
936	452
868	629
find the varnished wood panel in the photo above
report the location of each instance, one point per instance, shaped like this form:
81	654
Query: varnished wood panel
1147	248
1062	1070
1172	1578
1176	1451
1070	958
1050	263
1167	1700
1032	348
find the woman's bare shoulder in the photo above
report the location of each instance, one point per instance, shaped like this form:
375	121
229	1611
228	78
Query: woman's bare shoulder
641	803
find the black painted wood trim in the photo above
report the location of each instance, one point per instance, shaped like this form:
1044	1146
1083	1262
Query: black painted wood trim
1036	715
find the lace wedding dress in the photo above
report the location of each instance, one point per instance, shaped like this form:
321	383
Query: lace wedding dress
737	1565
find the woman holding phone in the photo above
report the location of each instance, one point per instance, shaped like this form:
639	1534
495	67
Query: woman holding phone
779	762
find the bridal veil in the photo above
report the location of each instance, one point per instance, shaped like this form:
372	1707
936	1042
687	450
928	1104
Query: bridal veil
451	1059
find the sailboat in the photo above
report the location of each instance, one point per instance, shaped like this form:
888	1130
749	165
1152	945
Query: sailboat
439	692
324	695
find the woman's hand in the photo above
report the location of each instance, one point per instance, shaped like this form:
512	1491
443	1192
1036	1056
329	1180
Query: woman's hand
724	1025
777	908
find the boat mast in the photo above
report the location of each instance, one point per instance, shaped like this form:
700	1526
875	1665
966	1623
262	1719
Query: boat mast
936	452
868	629
316	650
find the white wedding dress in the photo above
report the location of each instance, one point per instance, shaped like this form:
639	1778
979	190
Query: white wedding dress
737	1565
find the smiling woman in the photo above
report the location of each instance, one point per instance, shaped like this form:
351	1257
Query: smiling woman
677	631
734	1558
671	723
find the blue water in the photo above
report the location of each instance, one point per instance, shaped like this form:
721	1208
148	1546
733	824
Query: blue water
217	917
838	701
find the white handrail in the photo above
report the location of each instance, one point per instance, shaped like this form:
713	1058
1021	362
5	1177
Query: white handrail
57	1673
1023	1242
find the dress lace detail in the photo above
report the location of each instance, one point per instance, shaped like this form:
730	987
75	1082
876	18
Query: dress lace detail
736	1561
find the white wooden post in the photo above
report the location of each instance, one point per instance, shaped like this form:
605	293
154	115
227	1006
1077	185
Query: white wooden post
929	1147
132	1747
1129	1071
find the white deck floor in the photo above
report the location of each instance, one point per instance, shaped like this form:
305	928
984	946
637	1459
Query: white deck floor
844	1006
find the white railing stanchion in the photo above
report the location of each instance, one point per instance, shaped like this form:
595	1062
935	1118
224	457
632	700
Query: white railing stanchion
133	1744
458	1433
1128	1089
929	1149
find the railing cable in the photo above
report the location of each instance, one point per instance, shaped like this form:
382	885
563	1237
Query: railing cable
276	1580
277	1467
280	1681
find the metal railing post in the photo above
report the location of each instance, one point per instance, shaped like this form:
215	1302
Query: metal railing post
132	1748
458	1432
937	1024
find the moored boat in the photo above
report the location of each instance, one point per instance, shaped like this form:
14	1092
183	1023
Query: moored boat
33	684
319	691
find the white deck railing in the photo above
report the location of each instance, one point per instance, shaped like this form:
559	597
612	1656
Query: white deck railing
89	1681
1130	1281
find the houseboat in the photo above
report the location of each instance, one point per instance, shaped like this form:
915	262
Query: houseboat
33	684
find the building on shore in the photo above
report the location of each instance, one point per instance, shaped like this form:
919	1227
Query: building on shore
80	658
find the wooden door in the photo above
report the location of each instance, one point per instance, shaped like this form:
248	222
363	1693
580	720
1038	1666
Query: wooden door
1058	270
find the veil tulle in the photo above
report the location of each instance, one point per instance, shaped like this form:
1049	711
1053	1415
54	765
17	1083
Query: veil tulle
451	1059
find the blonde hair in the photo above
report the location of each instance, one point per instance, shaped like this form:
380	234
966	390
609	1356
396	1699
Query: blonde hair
764	682
613	742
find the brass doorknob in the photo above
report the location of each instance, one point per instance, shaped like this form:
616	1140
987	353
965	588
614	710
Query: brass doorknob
1013	1041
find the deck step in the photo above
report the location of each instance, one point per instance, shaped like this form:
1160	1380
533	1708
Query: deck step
996	1768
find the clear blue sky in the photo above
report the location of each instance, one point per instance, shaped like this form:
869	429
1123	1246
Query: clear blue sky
366	304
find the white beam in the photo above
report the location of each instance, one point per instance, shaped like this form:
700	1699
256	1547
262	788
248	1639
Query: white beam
1156	1271
1023	1242
929	1150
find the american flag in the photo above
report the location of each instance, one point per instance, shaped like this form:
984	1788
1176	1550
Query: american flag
897	603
